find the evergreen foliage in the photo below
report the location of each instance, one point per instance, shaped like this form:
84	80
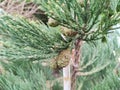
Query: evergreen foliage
111	82
27	75
101	55
23	75
33	40
90	19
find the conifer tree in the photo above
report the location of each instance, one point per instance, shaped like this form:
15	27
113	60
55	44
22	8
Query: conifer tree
90	20
79	20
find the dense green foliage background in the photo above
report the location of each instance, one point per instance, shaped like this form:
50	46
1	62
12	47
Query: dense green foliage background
26	48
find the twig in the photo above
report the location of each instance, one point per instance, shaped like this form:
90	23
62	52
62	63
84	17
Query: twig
92	71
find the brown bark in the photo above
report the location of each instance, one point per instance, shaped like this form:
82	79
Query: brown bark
75	64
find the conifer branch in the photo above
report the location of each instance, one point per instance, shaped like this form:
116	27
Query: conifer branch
92	71
41	39
84	17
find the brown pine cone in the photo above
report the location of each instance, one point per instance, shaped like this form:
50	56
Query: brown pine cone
62	60
68	32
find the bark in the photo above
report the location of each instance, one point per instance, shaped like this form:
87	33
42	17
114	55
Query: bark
75	66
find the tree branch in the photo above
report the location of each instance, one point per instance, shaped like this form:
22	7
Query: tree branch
92	71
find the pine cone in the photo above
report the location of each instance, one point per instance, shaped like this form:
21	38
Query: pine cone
62	60
68	32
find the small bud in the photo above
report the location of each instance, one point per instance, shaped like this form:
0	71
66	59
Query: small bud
52	22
